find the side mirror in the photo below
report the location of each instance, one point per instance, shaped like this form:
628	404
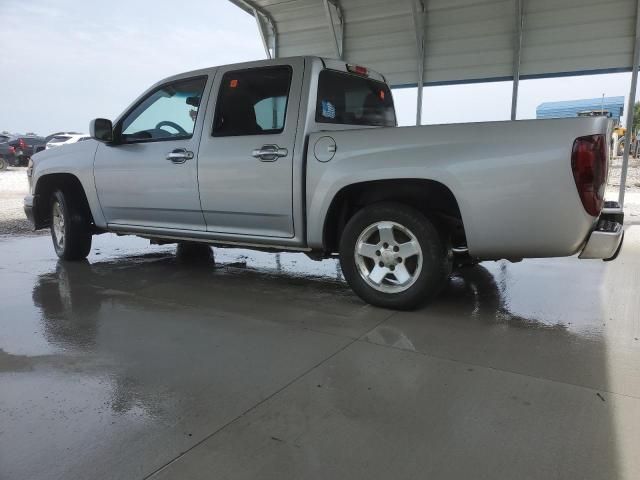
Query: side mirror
101	129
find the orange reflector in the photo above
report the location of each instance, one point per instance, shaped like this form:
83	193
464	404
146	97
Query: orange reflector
381	94
233	83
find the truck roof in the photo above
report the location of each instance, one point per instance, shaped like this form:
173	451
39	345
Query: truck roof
331	63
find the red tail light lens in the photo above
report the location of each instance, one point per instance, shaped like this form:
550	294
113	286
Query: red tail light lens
12	150
22	144
589	165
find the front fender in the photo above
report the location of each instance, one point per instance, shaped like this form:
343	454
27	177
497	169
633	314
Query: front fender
77	160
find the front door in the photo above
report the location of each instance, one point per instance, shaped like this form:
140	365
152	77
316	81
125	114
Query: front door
150	178
246	153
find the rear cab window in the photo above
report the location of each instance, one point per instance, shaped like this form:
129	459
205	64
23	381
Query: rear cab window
351	99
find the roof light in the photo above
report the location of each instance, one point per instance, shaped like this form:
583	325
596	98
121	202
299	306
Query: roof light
358	70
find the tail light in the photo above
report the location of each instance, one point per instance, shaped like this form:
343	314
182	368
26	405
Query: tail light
22	144
589	165
12	150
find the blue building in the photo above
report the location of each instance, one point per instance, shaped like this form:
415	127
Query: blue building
614	106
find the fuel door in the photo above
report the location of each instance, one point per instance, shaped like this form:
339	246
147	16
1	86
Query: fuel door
324	149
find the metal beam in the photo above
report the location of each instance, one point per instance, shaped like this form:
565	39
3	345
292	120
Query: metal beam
630	109
263	19
517	55
338	36
263	34
418	8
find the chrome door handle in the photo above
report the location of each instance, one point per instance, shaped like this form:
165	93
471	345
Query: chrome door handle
179	155
270	153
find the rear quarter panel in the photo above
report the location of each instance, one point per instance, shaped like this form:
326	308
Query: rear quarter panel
512	180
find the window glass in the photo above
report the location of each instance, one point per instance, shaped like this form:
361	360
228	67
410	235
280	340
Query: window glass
252	102
59	139
353	100
168	113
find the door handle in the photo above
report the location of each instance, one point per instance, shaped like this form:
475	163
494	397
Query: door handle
179	155
270	153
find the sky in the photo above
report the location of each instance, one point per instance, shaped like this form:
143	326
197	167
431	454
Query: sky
65	62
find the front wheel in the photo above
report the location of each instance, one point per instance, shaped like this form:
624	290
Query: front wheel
70	228
393	256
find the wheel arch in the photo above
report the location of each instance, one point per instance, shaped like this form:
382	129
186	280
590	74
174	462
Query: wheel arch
49	183
430	197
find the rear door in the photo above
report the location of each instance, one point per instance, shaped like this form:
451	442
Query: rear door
150	179
245	167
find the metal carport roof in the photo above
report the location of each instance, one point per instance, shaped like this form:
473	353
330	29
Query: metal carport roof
435	42
465	40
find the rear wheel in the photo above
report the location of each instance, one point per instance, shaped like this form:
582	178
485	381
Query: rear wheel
393	256
70	228
3	163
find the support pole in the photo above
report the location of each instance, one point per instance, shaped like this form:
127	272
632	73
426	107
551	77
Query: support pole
418	9
264	20
517	55
338	37
630	109
263	34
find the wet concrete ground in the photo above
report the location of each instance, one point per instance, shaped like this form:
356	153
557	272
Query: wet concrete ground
138	364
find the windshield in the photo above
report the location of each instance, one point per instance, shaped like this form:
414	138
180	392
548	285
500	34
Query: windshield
169	112
353	100
59	139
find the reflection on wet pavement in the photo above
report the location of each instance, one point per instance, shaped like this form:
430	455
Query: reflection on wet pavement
137	358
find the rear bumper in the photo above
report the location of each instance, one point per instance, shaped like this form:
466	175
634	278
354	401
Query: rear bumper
606	240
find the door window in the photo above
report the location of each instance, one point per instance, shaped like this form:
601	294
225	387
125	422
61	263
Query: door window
167	113
252	102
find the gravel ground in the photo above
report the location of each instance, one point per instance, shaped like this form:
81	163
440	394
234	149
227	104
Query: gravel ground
14	186
633	174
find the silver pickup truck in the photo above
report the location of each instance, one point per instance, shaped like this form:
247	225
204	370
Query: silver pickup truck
304	154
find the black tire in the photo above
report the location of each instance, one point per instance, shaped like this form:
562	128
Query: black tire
195	254
76	227
436	261
3	163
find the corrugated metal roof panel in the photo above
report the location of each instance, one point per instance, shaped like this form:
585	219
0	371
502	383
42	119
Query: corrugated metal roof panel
469	39
577	35
465	39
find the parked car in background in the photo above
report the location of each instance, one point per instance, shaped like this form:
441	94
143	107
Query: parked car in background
50	136
7	154
24	146
65	139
